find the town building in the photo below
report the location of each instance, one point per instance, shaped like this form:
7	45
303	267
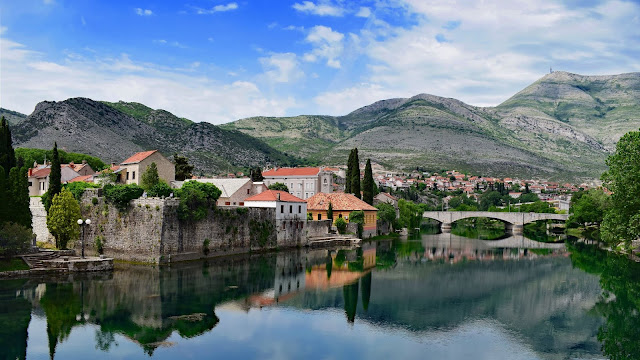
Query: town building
386	198
38	175
290	212
131	169
342	205
302	182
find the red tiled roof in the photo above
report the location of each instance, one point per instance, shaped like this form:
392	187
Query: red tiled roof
339	201
137	157
272	195
85	178
41	173
305	171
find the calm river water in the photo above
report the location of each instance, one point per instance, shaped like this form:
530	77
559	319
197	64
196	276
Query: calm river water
436	297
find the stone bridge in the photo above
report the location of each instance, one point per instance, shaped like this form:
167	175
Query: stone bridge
451	241
514	221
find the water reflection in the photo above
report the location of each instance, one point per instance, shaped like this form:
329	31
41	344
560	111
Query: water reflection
536	297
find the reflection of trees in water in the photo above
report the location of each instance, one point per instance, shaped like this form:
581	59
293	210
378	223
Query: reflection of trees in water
620	300
479	228
366	290
350	294
15	315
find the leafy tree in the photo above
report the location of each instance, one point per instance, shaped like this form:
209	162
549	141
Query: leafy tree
341	225
590	207
4	197
14	239
621	225
330	211
7	155
196	199
529	197
161	189
410	215
38	155
55	183
62	218
19	197
386	212
526	188
183	168
538	207
358	218
368	183
488	199
256	174
150	177
279	186
121	195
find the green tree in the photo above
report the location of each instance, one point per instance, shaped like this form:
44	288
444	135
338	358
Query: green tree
183	168
121	195
528	197
19	197
488	199
161	189
330	211
150	177
256	174
621	224
589	207
62	218
386	212
14	239
279	186
355	175
77	188
410	215
357	217
196	199
349	175
341	225
368	184
55	182
4	197
7	155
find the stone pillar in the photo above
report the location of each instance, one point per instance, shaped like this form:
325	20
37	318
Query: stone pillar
445	227
513	229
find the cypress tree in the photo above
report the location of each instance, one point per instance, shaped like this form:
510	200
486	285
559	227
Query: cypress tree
19	197
355	175
368	184
347	184
330	211
7	155
55	182
4	198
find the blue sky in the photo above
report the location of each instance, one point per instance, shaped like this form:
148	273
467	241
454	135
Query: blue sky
218	61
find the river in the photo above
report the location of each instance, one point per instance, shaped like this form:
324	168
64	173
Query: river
436	296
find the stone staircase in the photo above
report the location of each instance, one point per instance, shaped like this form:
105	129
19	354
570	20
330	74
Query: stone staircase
36	260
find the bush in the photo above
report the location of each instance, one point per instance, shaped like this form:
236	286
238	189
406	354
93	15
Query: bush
161	189
196	199
77	188
205	246
99	245
121	195
14	239
341	224
279	186
94	201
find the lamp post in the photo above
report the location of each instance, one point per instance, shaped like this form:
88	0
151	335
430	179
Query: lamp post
82	223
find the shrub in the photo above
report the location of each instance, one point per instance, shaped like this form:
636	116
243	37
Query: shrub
161	189
205	246
14	239
196	199
121	195
99	245
341	224
309	216
242	210
279	186
77	188
94	201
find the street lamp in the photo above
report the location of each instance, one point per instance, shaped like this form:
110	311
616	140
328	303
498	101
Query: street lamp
82	223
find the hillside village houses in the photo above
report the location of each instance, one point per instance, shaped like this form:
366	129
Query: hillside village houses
38	175
302	182
342	205
234	190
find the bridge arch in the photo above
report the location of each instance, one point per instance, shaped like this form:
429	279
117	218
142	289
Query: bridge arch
514	222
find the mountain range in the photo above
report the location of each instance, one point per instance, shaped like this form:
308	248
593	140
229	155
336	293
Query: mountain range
563	126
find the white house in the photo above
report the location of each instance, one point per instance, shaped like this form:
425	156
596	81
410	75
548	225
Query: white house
290	213
302	182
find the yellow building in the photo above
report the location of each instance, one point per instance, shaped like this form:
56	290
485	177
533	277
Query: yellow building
342	205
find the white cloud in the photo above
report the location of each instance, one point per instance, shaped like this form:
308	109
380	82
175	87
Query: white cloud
327	44
364	12
143	12
218	8
282	67
322	8
28	79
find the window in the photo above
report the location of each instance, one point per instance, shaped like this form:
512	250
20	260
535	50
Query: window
241	203
127	175
133	175
340	215
299	209
227	203
300	186
248	191
30	184
282	209
319	216
325	180
290	209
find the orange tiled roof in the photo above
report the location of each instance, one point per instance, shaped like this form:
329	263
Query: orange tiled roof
272	195
137	157
305	171
41	173
339	201
85	178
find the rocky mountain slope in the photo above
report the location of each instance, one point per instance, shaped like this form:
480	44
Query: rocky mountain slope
561	127
13	117
114	131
